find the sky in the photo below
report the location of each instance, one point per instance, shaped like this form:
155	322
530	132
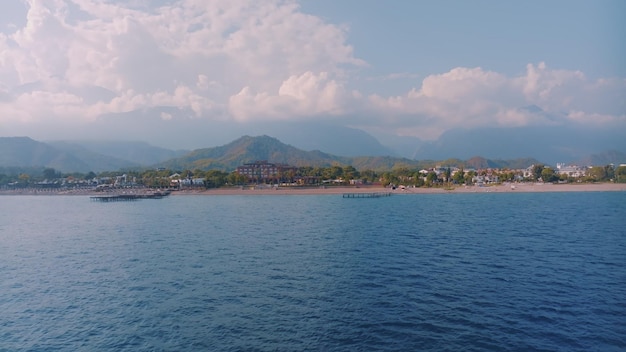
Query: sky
74	69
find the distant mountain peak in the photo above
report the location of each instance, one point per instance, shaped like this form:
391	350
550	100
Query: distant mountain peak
27	152
79	156
605	158
478	162
249	149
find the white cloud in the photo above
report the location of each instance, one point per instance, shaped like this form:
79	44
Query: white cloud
300	96
461	84
264	60
210	50
473	97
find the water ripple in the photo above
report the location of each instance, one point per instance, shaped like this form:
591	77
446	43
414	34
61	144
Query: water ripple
502	272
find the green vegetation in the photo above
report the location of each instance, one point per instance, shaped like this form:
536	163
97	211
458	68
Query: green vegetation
603	174
620	174
549	175
32	157
215	167
336	174
248	149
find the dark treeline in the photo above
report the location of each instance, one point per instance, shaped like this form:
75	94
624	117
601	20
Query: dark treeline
343	175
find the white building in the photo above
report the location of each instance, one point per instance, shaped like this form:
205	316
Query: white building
571	170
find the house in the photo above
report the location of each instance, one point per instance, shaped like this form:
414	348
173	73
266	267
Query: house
177	181
484	179
571	170
529	172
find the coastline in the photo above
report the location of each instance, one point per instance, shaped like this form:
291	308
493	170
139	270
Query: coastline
503	188
338	190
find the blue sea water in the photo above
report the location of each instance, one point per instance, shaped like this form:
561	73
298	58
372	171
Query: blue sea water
438	272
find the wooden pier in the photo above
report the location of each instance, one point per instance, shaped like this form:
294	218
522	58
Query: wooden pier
367	195
126	197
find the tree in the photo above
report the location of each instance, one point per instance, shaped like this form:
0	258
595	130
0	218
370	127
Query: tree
609	172
235	178
565	178
431	178
418	179
197	173
548	175
369	175
469	177
215	179
446	174
24	178
336	172
317	171
49	174
620	174
507	176
90	175
389	178
598	173
156	179
350	173
536	171
459	176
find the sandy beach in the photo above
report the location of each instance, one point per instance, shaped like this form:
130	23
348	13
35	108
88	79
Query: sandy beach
504	188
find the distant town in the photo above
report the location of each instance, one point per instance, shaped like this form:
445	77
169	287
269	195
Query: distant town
264	173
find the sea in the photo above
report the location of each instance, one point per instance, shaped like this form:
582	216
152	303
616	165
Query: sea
420	272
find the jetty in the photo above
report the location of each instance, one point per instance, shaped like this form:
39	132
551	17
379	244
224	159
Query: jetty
125	197
367	195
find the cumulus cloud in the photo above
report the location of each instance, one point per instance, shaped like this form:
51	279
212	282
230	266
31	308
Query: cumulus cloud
247	61
474	97
299	96
188	53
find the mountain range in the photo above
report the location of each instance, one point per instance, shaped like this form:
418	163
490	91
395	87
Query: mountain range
80	156
249	149
549	144
98	156
173	128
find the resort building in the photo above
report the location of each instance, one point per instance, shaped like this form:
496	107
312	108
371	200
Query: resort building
571	170
262	171
480	180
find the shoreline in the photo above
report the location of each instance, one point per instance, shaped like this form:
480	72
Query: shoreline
338	190
503	188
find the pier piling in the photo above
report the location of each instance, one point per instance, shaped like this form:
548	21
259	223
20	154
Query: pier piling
367	195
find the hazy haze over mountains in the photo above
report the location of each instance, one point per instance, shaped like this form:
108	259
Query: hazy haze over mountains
548	144
20	153
423	80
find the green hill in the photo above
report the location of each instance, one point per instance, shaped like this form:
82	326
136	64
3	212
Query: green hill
23	152
249	149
